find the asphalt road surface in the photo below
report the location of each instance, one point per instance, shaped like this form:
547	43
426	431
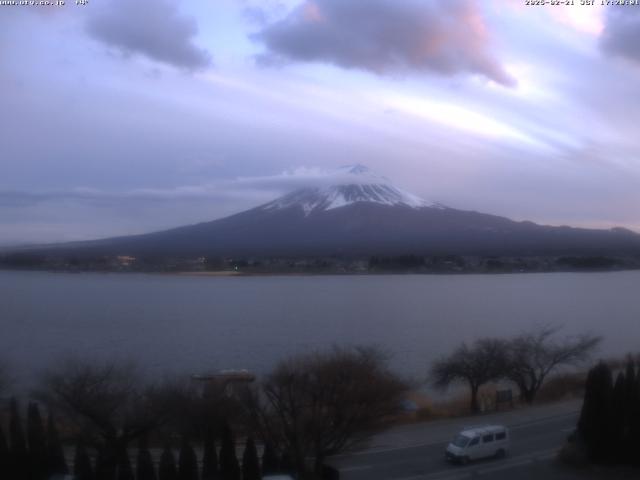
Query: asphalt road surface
533	444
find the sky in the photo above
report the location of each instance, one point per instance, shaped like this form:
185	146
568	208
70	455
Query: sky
121	117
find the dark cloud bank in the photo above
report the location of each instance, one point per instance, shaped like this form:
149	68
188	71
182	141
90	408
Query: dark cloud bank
622	33
153	28
385	36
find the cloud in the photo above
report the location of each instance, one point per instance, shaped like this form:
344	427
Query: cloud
108	197
85	213
153	28
263	12
386	36
621	34
260	188
255	15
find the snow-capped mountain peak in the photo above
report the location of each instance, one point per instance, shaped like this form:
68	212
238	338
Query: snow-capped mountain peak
353	184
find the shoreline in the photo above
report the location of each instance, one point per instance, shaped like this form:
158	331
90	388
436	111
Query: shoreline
232	273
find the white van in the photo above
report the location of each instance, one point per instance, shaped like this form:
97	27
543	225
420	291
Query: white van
473	443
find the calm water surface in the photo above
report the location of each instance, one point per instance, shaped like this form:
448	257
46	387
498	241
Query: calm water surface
193	324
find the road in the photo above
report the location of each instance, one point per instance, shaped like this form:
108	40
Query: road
533	443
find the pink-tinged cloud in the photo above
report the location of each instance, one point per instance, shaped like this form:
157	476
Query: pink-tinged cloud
387	36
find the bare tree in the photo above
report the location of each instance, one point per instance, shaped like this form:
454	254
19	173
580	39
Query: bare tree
321	404
484	361
534	355
108	403
197	408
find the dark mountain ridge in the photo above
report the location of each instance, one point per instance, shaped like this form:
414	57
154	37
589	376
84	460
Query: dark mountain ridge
360	217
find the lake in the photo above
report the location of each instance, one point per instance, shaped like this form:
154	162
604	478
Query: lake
190	324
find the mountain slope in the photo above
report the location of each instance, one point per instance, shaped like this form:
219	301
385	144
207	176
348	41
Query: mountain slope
362	215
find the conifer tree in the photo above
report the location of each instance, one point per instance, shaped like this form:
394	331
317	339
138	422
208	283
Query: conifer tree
37	444
630	388
82	469
286	463
594	425
270	462
144	464
229	468
56	462
105	465
125	472
100	468
617	426
587	412
167	470
209	457
19	460
634	423
187	462
4	453
250	463
629	405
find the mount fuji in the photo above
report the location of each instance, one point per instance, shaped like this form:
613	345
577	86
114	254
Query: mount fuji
361	214
355	184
